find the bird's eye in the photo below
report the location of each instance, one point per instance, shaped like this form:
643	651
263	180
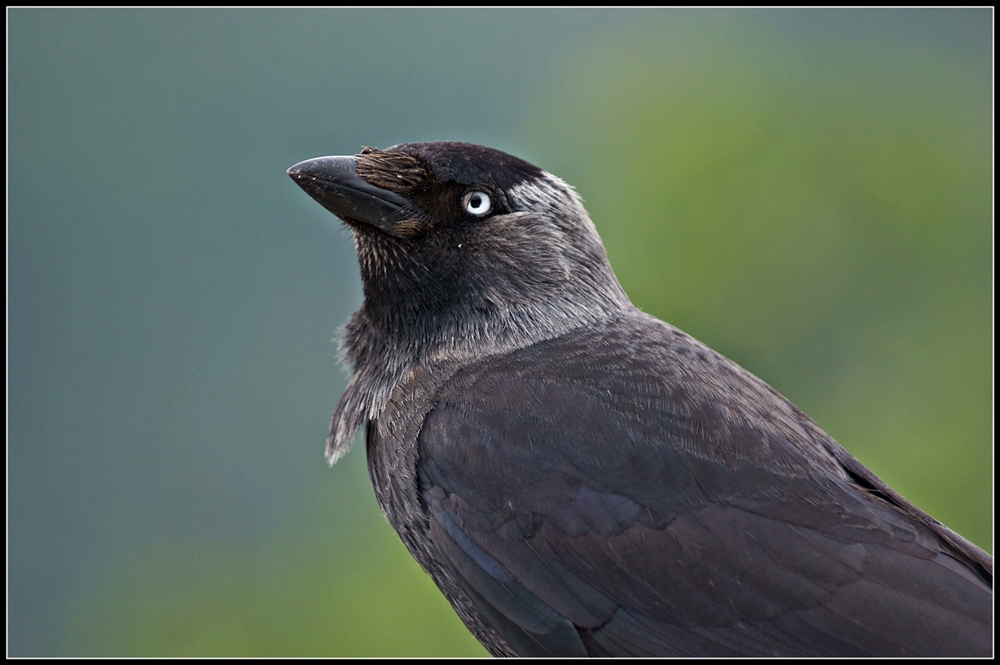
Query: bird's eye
477	203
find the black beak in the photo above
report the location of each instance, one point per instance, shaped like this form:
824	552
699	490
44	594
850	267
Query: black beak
335	184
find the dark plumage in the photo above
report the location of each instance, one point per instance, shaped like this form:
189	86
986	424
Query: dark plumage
580	478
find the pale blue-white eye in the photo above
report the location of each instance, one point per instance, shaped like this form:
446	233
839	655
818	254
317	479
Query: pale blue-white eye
477	203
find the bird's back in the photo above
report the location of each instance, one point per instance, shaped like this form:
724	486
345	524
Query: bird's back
625	490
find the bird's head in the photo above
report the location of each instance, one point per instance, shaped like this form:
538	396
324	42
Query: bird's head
460	243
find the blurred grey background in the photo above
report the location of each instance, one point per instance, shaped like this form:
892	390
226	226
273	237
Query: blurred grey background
807	191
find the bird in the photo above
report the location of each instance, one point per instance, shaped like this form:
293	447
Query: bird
580	478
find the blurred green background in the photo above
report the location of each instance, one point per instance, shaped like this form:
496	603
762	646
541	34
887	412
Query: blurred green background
807	191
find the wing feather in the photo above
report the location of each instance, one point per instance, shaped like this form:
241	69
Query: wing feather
598	506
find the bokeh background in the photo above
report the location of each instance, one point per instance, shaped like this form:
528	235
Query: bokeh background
808	192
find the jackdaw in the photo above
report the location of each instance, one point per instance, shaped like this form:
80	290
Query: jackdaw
580	478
